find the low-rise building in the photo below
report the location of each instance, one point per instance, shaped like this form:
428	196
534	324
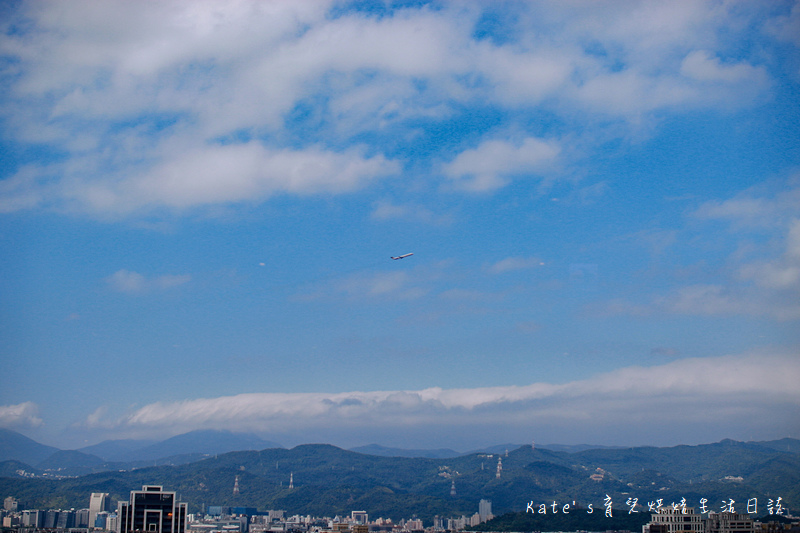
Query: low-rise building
672	520
686	520
729	523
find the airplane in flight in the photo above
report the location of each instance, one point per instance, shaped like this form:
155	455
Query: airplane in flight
401	256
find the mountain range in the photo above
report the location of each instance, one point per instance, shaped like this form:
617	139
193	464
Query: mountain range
329	480
127	454
124	454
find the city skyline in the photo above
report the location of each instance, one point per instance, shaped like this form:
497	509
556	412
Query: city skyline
201	205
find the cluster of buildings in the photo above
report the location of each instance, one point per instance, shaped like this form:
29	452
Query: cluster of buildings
97	516
687	520
154	510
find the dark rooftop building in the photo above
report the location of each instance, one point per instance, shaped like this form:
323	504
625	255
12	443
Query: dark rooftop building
152	510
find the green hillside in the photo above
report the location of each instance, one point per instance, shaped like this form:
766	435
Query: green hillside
330	481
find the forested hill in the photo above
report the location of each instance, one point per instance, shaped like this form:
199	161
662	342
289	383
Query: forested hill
330	481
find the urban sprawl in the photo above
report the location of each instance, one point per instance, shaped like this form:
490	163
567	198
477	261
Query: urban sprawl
154	510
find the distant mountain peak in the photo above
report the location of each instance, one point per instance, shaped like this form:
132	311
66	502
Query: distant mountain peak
16	446
384	451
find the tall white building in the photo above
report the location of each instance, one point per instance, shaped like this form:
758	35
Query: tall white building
98	503
485	510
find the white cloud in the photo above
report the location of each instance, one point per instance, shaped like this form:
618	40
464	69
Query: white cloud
704	300
250	172
786	27
133	282
514	263
96	418
648	32
215	174
525	78
23	415
397	284
21	191
775	295
769	285
761	278
389	211
126	281
494	162
756	208
701	65
630	93
167	281
685	393
137	98
782	273
366	286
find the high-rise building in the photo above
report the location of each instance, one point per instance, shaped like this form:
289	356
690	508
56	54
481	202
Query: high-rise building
33	518
485	510
151	510
66	520
82	518
50	519
99	502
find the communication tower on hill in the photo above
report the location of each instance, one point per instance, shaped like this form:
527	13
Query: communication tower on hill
499	466
291	480
236	486
453	488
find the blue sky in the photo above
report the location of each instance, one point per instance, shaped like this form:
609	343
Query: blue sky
199	201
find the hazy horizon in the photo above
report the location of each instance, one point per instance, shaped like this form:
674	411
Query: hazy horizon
509	445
